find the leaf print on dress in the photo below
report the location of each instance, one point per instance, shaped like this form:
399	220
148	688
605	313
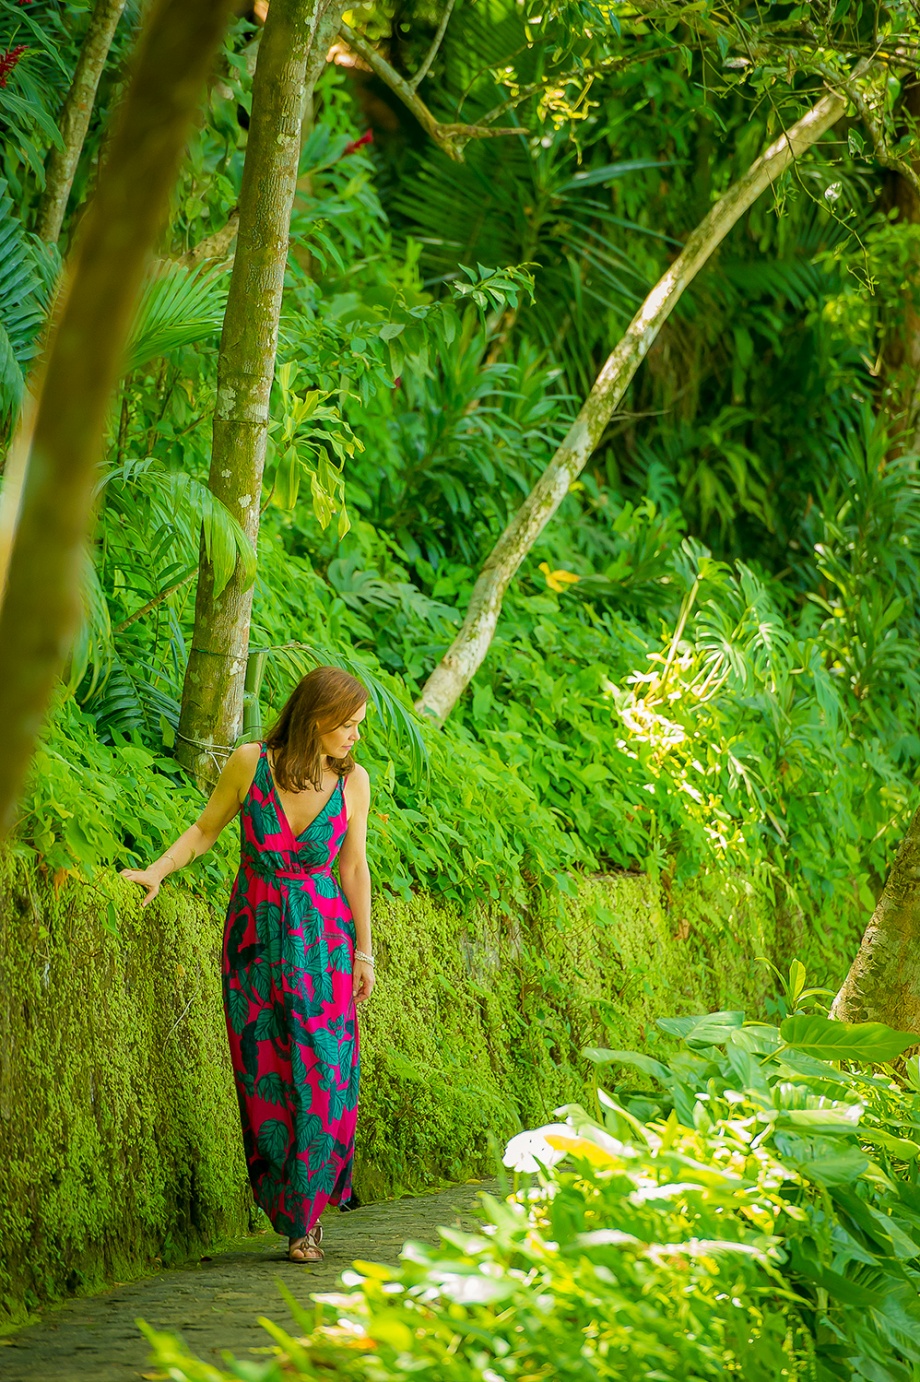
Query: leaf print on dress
237	1009
288	959
269	921
264	816
271	1022
272	1088
273	1139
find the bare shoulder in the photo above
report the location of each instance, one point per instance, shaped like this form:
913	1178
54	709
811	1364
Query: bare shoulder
241	767
358	783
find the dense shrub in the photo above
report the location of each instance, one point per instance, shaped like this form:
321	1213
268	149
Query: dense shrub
755	1214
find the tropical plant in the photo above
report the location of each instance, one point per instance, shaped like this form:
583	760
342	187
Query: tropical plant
746	1208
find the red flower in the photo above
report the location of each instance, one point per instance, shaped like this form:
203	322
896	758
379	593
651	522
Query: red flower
8	61
357	144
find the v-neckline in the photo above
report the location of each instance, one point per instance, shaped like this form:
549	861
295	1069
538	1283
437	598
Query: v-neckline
280	804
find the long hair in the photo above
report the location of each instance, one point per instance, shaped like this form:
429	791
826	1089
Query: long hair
324	699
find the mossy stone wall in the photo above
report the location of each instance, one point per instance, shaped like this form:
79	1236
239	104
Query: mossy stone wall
118	1125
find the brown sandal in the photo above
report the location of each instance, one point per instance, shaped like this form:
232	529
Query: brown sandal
308	1244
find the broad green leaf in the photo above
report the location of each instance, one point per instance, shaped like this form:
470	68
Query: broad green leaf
842	1167
647	1064
822	1120
898	1146
678	1026
858	1041
714	1029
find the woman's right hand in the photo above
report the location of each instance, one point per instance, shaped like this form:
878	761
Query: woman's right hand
147	878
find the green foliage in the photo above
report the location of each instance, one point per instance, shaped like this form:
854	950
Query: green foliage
755	1215
92	804
27	268
703	673
178	306
28	95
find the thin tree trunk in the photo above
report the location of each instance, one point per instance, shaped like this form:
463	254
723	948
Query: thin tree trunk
883	984
292	51
75	117
48	497
465	655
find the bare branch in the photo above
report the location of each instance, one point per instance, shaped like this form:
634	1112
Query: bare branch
874	128
453	139
216	246
435	45
152	604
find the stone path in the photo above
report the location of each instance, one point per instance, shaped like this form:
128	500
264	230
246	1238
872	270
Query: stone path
214	1303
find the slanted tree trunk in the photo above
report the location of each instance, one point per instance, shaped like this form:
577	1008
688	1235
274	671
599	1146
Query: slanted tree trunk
48	495
292	50
883	984
78	107
465	655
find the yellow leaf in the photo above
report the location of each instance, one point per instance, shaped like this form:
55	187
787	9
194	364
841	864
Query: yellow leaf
581	1147
558	580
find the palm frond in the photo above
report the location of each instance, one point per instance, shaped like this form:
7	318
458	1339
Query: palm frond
93	652
24	293
178	307
224	539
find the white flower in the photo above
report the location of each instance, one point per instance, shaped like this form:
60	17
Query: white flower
526	1149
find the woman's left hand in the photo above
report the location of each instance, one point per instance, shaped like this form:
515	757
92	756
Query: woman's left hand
362	981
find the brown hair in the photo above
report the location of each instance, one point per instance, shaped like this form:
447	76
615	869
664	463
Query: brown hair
321	701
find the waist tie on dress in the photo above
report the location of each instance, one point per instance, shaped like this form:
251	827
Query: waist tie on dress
302	872
266	868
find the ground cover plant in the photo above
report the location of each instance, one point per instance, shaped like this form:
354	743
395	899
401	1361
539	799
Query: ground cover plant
744	1203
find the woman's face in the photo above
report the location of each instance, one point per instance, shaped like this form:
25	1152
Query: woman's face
339	742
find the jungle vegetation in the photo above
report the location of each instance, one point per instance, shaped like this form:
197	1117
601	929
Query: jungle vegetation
555	369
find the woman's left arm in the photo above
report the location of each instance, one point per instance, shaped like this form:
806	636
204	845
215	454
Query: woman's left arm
355	876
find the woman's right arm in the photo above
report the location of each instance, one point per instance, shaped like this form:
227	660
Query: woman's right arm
223	804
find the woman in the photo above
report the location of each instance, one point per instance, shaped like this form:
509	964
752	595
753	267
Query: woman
297	947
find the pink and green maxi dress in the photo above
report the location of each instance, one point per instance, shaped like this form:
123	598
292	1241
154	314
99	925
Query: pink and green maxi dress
287	980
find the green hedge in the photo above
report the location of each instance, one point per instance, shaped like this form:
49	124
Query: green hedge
118	1123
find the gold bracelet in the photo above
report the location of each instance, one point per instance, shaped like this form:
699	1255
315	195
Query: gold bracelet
168	855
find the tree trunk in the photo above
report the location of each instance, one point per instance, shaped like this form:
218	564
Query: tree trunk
292	50
78	107
48	497
883	984
465	655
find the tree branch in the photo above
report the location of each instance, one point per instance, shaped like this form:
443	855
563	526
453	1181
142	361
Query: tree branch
49	492
453	139
435	45
152	604
216	246
75	118
874	128
468	650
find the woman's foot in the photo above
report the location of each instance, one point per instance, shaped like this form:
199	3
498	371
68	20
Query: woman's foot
307	1248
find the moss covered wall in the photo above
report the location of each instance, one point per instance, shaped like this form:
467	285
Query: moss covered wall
118	1124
